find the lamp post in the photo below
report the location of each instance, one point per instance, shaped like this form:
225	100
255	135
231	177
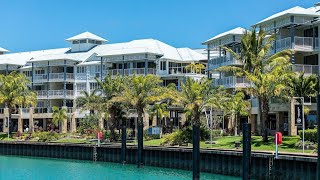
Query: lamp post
303	123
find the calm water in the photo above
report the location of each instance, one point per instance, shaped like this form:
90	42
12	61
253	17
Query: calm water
14	167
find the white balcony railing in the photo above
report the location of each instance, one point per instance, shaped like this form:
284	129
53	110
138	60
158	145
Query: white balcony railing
232	82
40	77
299	44
223	61
128	72
60	76
43	94
307	69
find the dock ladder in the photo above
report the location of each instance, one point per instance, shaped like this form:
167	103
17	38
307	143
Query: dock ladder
95	153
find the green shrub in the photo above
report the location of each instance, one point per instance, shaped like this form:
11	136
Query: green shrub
46	136
309	135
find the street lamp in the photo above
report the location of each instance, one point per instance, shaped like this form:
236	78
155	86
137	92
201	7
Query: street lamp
303	123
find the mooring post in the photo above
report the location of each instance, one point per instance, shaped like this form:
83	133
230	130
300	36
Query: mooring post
196	152
123	144
140	143
246	152
318	135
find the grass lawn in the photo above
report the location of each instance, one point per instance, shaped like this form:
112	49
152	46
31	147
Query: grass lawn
227	142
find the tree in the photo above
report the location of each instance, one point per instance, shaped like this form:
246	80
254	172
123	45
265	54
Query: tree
267	74
195	68
58	116
112	89
195	97
89	101
14	92
240	107
159	110
139	92
300	85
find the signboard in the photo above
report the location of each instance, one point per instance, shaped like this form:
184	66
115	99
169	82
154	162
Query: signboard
298	113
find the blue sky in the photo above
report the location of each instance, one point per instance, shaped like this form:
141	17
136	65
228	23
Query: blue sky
33	24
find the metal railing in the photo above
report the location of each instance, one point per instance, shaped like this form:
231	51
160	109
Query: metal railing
303	43
223	61
60	76
282	44
307	69
40	77
42	94
54	94
39	110
232	82
300	44
128	72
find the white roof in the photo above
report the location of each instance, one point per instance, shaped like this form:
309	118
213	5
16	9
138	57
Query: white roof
89	63
3	50
150	46
292	11
86	35
235	31
23	57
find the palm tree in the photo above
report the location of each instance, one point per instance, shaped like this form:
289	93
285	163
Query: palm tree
194	68
300	85
89	101
195	97
139	92
159	110
14	92
58	116
112	89
267	74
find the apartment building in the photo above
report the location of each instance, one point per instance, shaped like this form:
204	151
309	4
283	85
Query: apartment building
59	75
296	28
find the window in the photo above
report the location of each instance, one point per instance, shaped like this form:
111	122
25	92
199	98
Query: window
39	71
40	104
98	42
163	65
83	41
93	86
97	68
28	73
75	42
91	41
81	69
81	86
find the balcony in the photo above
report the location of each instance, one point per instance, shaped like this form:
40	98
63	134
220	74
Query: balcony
132	71
307	69
60	76
222	61
232	82
40	78
304	44
53	94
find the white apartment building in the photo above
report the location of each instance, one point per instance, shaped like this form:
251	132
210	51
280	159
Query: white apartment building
59	75
297	29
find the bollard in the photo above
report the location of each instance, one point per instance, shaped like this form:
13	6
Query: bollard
318	135
195	152
140	143
246	152
123	144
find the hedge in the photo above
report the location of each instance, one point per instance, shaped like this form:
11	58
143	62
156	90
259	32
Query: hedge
309	135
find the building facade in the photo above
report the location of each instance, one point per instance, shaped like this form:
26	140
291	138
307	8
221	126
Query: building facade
297	29
60	75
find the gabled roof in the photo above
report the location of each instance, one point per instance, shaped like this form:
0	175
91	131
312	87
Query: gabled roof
235	31
22	58
292	11
86	35
150	46
3	50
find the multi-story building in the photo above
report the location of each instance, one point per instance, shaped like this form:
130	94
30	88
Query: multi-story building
59	75
297	29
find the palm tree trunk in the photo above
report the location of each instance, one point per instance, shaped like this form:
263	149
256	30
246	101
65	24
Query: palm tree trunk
196	147
10	129
265	117
140	138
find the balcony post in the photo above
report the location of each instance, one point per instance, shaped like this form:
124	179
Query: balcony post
48	79
32	75
292	31
146	65
208	74
275	37
65	83
101	77
314	37
122	65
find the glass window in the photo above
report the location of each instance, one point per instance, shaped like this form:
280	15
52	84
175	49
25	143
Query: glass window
163	65
98	42
83	41
75	42
81	69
